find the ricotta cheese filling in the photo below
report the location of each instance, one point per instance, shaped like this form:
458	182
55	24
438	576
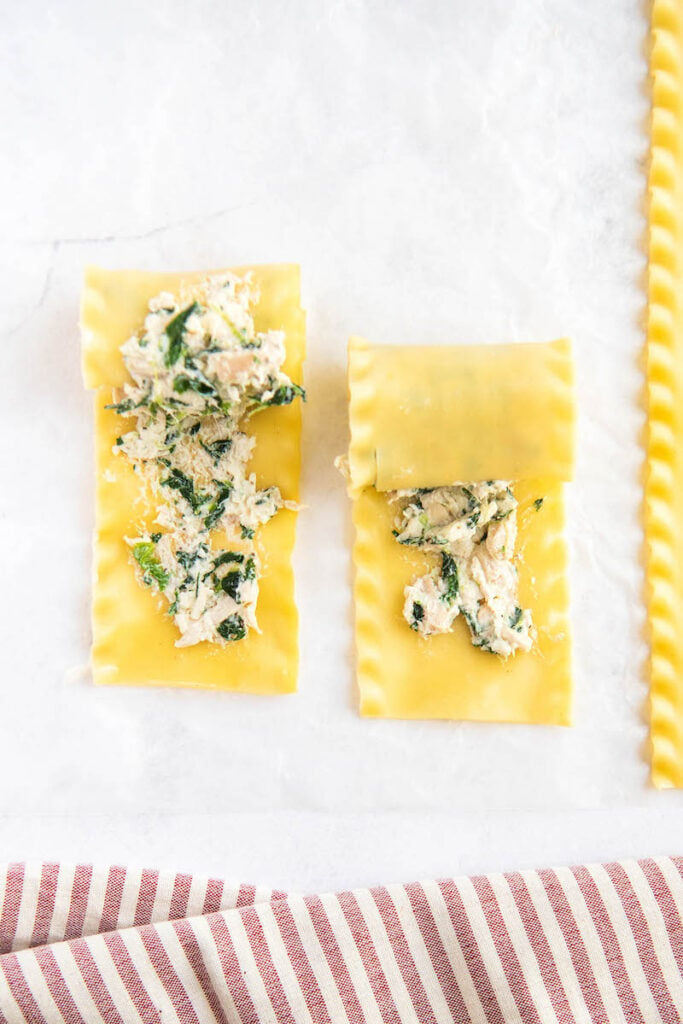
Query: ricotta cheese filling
473	529
198	370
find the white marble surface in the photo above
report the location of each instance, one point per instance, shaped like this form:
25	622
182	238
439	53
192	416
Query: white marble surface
443	171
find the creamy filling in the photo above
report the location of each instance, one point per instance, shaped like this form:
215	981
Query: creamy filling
473	529
198	370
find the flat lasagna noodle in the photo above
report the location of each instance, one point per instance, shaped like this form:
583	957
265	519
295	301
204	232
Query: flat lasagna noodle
664	482
424	416
400	673
133	637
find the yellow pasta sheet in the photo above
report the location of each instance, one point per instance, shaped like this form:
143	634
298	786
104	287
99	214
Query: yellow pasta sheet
404	675
429	416
133	637
424	416
664	484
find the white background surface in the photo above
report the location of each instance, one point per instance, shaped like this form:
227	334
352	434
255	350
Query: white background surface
457	171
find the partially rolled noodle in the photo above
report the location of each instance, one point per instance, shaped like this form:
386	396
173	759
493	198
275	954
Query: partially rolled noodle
425	416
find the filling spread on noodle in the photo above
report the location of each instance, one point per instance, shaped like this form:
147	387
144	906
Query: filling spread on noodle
198	370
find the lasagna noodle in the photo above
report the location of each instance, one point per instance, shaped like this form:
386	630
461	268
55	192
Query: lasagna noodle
425	416
664	480
133	637
404	675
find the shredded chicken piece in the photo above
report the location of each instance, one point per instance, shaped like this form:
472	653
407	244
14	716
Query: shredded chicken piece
473	527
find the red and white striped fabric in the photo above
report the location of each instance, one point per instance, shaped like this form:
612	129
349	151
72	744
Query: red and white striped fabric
594	943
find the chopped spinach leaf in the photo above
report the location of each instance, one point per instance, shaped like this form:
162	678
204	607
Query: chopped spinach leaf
230	584
188	559
282	395
477	639
286	394
217	449
228	556
127	405
152	570
516	618
183	383
175	329
177	481
417	615
538	503
217	507
232	628
410	540
471	500
449	572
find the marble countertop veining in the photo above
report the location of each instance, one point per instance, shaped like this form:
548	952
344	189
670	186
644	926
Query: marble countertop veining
464	172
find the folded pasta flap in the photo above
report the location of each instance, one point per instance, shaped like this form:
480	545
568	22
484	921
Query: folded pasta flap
421	416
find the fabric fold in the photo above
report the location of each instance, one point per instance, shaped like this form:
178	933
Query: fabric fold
586	944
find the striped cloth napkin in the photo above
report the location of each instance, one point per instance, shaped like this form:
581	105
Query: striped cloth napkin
593	943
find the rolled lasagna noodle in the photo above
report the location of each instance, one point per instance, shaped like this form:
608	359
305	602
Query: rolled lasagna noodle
430	416
425	416
133	637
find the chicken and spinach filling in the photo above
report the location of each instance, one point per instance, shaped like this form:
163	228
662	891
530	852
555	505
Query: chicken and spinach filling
198	370
472	528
